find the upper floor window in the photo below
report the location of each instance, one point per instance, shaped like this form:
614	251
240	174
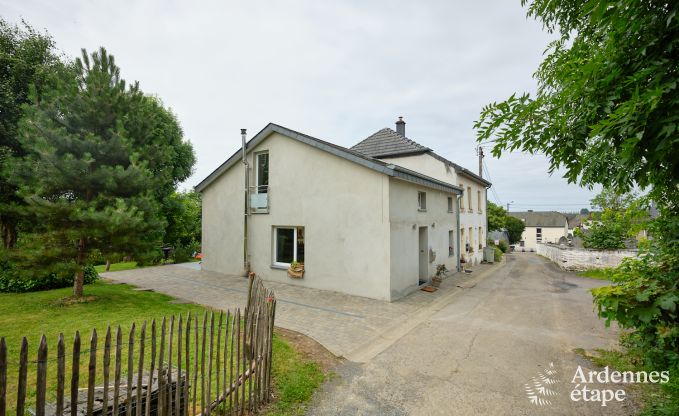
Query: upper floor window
262	172
469	198
461	199
422	201
478	200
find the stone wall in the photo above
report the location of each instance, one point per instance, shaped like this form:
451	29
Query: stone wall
576	259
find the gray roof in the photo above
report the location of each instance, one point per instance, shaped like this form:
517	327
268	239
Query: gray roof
387	142
541	219
356	157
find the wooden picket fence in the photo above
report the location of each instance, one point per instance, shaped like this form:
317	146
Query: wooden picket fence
188	368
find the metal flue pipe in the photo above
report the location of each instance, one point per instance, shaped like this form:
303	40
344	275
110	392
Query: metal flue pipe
246	203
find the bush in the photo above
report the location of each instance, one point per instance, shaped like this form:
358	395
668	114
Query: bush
503	246
498	254
184	253
12	281
149	259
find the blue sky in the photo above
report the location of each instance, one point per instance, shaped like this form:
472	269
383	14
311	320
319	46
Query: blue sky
337	70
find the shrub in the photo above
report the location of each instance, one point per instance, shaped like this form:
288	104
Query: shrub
503	246
498	254
184	253
12	280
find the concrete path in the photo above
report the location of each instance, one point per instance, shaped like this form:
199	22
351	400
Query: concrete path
479	354
348	326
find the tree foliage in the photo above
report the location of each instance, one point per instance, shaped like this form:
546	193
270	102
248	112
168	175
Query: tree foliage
515	228
622	217
606	111
496	217
183	219
95	167
27	60
607	106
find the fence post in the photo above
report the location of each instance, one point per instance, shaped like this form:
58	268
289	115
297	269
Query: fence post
3	376
41	379
75	374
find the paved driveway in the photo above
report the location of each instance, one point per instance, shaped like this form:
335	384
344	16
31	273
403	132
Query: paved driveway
480	352
349	326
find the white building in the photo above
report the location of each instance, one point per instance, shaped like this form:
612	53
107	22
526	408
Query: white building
360	225
541	227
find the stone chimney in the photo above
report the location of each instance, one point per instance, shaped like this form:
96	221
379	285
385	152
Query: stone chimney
401	127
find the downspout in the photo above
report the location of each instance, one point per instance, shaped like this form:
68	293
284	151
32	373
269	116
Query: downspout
246	203
459	248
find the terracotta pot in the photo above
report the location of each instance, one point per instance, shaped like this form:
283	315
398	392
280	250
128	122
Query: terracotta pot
296	272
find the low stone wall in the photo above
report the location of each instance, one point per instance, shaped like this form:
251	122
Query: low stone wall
576	259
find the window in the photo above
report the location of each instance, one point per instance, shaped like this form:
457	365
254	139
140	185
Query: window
463	239
451	243
422	201
461	200
288	245
469	198
478	200
538	235
470	237
450	204
262	172
480	238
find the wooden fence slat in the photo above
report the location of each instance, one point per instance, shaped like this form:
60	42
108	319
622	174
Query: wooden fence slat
226	352
244	357
116	376
41	378
208	393
231	341
140	370
107	364
218	353
152	363
159	371
188	363
178	389
194	386
75	374
21	389
202	363
61	375
168	389
130	370
238	367
92	373
3	377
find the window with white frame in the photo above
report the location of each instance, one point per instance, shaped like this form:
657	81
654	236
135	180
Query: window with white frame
262	172
422	201
451	243
288	245
469	198
478	200
450	204
538	235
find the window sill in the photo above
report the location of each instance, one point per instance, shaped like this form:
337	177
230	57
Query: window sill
280	266
451	212
422	210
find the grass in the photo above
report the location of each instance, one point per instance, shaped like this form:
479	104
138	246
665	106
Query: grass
598	274
656	399
116	267
50	313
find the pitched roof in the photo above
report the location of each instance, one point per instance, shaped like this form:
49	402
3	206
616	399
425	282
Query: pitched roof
387	142
348	154
541	219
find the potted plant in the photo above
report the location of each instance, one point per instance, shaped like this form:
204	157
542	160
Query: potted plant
438	277
296	270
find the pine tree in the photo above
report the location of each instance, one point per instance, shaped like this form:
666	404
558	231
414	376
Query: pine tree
86	185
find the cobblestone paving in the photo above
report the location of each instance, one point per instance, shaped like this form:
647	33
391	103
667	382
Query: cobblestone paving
342	323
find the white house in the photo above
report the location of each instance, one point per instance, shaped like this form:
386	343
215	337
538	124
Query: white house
541	227
394	147
361	225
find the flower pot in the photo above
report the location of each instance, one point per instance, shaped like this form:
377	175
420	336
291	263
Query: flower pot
296	272
436	281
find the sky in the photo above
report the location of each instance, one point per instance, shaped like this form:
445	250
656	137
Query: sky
336	70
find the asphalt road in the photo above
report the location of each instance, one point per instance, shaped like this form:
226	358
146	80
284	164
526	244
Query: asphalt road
485	352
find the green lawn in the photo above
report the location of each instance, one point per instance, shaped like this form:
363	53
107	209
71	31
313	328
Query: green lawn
116	267
598	274
37	313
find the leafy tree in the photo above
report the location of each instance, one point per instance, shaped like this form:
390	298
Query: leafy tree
607	104
609	198
85	184
496	217
515	228
606	110
27	60
184	219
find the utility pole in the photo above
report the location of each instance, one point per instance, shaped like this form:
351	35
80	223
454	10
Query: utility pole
480	152
509	203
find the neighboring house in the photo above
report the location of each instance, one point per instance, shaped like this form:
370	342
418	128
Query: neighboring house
578	221
541	227
394	147
360	225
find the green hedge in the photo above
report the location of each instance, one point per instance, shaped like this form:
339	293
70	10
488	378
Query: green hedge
13	282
